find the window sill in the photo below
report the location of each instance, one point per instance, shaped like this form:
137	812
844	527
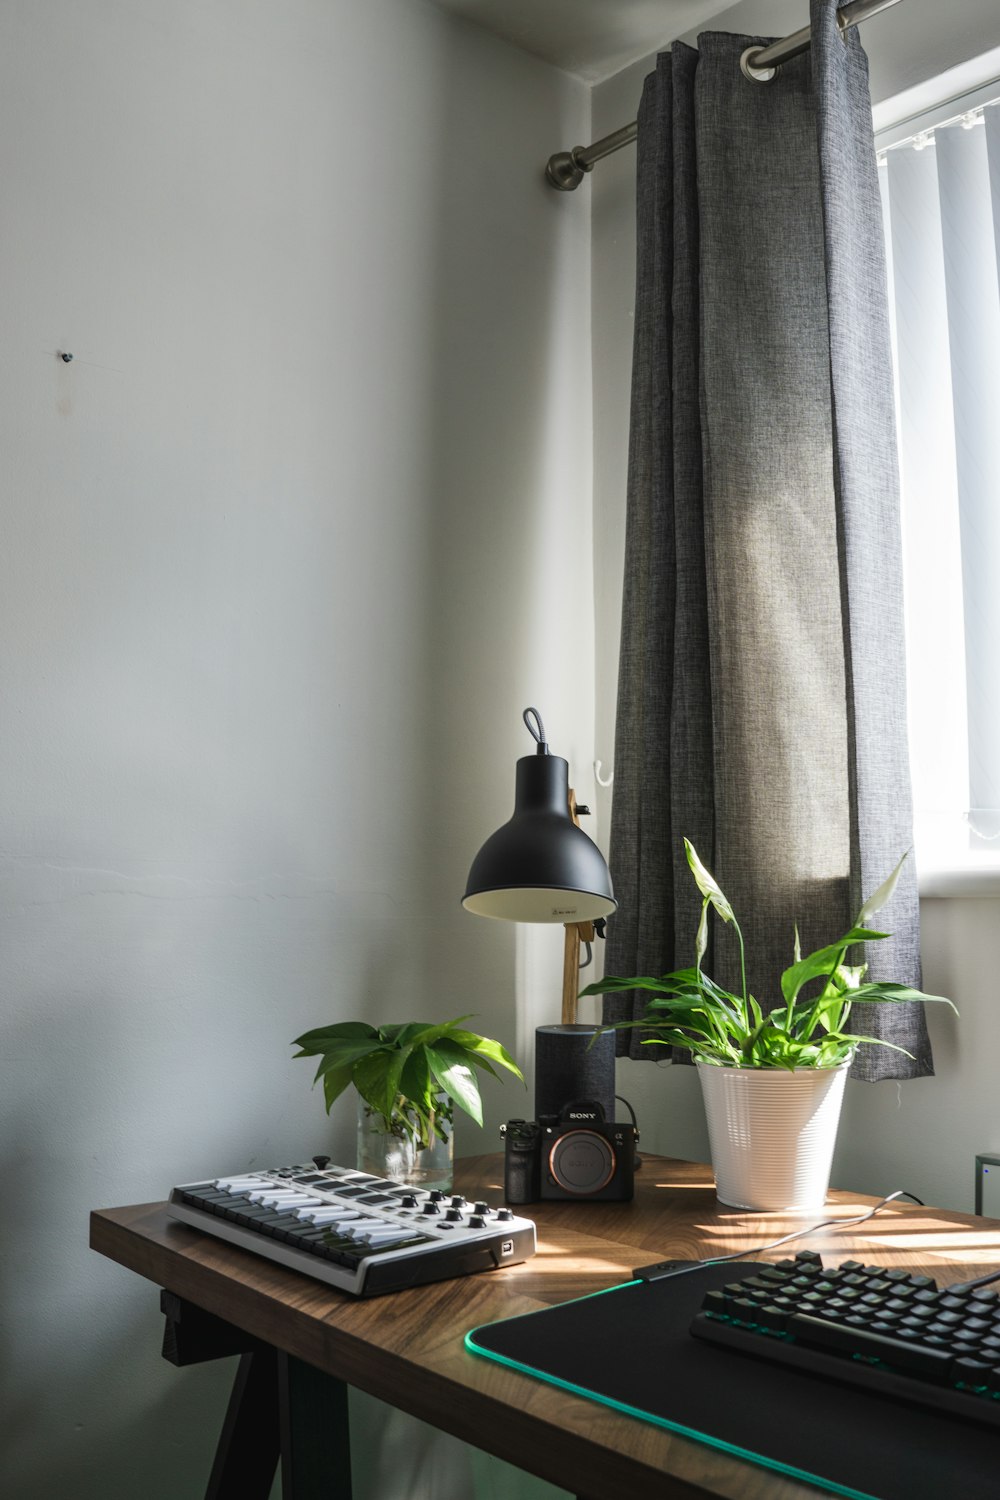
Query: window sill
979	881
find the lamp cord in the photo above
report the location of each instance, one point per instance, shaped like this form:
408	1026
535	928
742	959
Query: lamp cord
798	1234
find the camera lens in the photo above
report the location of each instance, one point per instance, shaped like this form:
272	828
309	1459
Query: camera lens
582	1162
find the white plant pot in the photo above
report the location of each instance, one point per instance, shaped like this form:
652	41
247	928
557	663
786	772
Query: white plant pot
772	1133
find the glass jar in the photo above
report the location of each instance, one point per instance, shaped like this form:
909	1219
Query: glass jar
394	1155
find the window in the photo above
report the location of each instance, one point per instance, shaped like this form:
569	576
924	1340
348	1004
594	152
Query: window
940	179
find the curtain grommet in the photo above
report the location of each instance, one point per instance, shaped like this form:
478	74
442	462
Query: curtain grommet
756	75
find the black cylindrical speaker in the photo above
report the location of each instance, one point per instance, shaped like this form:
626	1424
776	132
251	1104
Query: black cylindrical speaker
568	1069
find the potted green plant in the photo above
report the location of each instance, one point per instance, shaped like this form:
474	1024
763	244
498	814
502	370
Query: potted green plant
772	1080
408	1078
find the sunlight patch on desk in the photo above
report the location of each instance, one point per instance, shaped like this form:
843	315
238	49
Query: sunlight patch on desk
961	1246
682	1187
577	1263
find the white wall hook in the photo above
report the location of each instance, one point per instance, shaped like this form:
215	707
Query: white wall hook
599	778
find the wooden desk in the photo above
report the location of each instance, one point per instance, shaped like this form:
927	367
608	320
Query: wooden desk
407	1348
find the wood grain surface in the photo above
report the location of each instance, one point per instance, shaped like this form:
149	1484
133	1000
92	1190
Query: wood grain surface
407	1348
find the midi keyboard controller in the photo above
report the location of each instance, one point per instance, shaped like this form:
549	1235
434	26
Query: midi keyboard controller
362	1234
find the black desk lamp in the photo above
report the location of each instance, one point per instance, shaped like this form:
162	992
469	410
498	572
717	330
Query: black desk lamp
541	867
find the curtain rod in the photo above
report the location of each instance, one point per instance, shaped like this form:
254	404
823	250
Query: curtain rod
565	170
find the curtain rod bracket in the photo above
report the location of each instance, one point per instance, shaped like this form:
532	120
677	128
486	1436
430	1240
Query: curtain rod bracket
565	172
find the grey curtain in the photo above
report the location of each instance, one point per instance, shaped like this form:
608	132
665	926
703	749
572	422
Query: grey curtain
761	707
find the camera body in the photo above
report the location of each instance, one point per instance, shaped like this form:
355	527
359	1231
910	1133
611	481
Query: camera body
574	1155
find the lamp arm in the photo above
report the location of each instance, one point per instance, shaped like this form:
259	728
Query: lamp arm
575	933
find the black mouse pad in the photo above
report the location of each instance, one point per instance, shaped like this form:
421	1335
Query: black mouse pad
630	1348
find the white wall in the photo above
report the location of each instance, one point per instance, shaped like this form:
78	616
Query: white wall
285	550
924	1136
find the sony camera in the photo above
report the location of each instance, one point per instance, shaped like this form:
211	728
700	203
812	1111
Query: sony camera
575	1154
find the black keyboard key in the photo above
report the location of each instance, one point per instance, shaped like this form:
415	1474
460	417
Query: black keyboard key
246	1216
970	1371
202	1201
933	1364
774	1318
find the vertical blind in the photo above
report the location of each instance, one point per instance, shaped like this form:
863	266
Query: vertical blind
941	199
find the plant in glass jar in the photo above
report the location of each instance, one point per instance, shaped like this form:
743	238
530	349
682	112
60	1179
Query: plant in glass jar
409	1077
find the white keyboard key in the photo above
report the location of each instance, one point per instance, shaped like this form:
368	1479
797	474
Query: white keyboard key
328	1216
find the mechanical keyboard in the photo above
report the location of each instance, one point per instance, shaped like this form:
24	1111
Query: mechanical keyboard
362	1234
885	1330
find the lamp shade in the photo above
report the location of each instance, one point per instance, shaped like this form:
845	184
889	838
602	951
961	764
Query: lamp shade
540	867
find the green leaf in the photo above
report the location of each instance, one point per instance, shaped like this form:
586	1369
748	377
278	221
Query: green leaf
483	1047
611	983
427	1035
882	895
335	1081
873	1041
348	1053
878	990
707	884
376	1079
485	1066
415	1082
319	1040
822	963
456	1078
